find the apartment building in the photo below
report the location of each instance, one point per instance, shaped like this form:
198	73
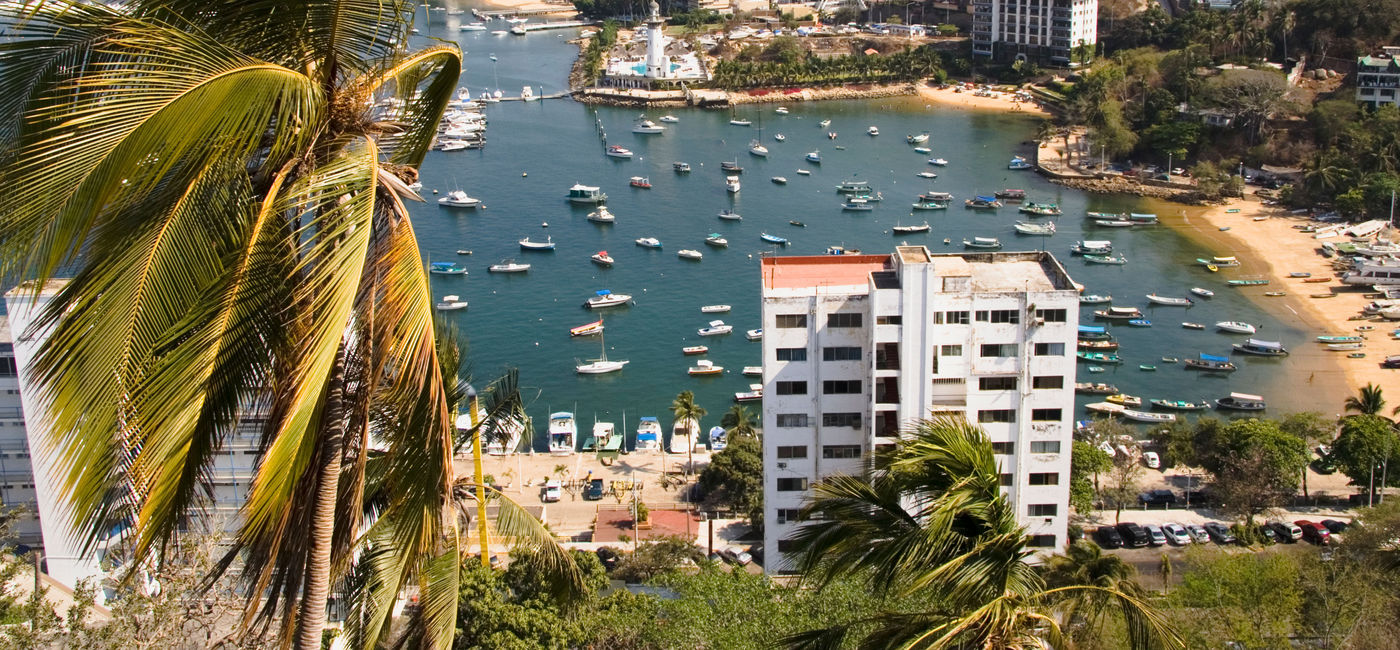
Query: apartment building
1378	78
855	346
16	476
1044	31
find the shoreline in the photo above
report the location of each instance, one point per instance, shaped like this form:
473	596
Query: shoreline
946	97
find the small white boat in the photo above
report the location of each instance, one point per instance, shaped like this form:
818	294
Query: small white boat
731	184
649	242
804	172
730	215
458	199
778	137
601	365
690	254
605	298
1236	327
923	151
779	180
753	371
781	110
926	175
716	328
705	367
753	394
717	240
1202	292
754	335
546	245
670	119
451	303
602	215
900	230
939	162
562	432
473	27
508	266
756	148
499	32
824	123
1037	229
518	30
602	258
1144	416
873	130
1168	300
618	151
739	122
588	329
916	139
714	309
648	127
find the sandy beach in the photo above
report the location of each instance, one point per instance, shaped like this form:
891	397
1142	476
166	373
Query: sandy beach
1272	248
528	5
965	100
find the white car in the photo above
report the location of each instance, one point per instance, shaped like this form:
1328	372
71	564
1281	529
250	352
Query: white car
1176	534
1152	460
1198	533
553	490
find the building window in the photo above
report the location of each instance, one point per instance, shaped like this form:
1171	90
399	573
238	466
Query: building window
1042	510
7	367
1048	381
787	546
996	383
1042	541
841	420
792	354
1052	315
889	320
841	354
950	318
1045	415
996	415
792	320
789	420
786	515
843	319
950	350
999	316
998	350
1049	349
840	451
841	387
1004	448
792	484
792	451
1007	480
792	388
1044	478
1045	446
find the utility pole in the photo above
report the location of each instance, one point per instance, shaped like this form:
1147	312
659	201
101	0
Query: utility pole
481	530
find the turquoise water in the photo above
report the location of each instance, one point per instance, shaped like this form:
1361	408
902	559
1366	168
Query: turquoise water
537	150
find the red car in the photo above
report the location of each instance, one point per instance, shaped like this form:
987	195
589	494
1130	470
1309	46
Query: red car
1314	532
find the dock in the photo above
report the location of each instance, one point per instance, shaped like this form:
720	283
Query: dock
512	13
565	24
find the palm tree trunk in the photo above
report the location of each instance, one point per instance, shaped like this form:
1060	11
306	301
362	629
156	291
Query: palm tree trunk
311	618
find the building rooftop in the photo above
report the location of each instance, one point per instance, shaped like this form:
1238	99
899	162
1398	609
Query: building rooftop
994	272
817	271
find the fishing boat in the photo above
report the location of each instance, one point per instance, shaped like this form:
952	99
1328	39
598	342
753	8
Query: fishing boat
694	350
753	394
1122	399
754	335
857	205
1138	217
794	222
648	242
602	215
756	148
938	162
690	254
705	367
1179	405
717	240
931	205
982	203
586	194
546	245
680	167
731	166
1209	363
1092	247
1140	322
779	180
640	181
773	239
1036	229
873	130
1114	223
1098	357
647	127
1261	348
603	298
926	175
648	433
601	365
508	265
982	243
1241	402
714	309
1343	347
451	303
753	371
1118	313
1202	292
1192	326
730	215
731	184
1011	194
1094	333
853	187
814	156
1101	346
618	151
1339	339
458	199
901	230
588	329
1095	299
1252	282
1106	259
1040	209
917	139
682	432
1169	301
1145	416
601	258
670	119
1091	388
1236	327
446	268
1019	164
716	328
1106	215
562	432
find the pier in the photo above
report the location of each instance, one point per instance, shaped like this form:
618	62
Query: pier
566	24
511	13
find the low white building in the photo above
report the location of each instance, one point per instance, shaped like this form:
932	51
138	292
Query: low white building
855	346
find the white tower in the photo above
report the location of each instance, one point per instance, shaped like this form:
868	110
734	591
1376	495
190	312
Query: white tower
656	44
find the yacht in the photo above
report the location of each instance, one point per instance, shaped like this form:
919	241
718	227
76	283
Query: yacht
682	432
690	254
729	215
1374	271
814	156
604	298
731	184
603	433
458	199
670	119
1236	327
546	245
601	365
562	431
756	148
601	258
717	240
618	151
648	434
451	303
705	367
508	266
586	194
1261	348
649	242
602	215
716	328
647	127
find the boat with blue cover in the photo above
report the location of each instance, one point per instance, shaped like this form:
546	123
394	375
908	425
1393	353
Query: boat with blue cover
1210	363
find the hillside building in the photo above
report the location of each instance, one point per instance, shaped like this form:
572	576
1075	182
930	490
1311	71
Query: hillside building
1042	31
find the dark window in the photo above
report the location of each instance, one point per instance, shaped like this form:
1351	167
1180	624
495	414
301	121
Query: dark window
794	451
1044	478
841	387
789	514
841	420
787	545
1048	381
1007	479
841	354
1049	349
1052	315
792	484
7	367
1045	415
786	420
792	354
1042	510
1004	448
996	383
840	451
843	319
1042	541
950	350
998	350
792	388
1045	446
999	316
951	318
792	320
889	320
996	415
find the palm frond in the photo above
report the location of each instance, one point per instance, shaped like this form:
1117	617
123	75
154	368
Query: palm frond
440	67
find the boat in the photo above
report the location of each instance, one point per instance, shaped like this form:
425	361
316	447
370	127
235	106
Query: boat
731	184
518	31
640	181
853	187
604	298
1144	218
731	166
458	199
804	172
1145	416
649	242
1106	259
1037	229
756	148
938	162
1114	223
1252	282
1299	274
719	439
681	435
716	240
1092	247
1342	347
1275	294
562	431
873	130
714	309
670	119
753	394
1147	367
586	194
753	371
1339	339
1119	313
814	156
1011	194
716	328
926	175
754	335
824	123
1040	209
916	139
936	196
1192	326
588	329
1261	348
1095	369
1092	388
982	203
730	215
1169	301
1094	299
794	222
473	27
1122	399
1202	292
446	268
773	239
1209	363
602	215
931	205
690	254
451	303
1018	163
602	258
857	205
1179	405
1241	402
923	150
1106	346
681	167
1236	327
618	151
603	433
982	243
647	127
601	365
546	245
779	180
1316	280
508	265
1140	322
648	432
705	367
781	110
1098	357
1094	333
1106	215
694	350
1223	262
1170	359
900	230
738	122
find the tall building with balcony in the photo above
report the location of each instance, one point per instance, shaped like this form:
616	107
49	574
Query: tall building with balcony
1378	78
16	476
855	346
1045	31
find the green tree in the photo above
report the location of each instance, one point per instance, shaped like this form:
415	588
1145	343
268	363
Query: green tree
657	557
1087	462
687	412
1255	466
734	478
1367	401
1124	479
1364	448
1311	428
933	512
738	422
1252	598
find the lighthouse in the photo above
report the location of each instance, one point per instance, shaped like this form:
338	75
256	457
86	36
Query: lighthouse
656	44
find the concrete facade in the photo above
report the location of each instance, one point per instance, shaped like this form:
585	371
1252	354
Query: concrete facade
1045	31
1378	78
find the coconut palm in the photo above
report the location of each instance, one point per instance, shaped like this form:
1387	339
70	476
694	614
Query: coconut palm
738	422
226	186
930	517
685	410
1367	401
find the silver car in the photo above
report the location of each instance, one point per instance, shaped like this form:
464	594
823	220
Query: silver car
1176	534
1154	534
1198	533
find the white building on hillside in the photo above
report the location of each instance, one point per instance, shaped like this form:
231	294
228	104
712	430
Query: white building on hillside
1378	78
16	476
854	346
1047	31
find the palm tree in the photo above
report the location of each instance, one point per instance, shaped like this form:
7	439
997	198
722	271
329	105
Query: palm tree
1367	401
738	422
685	410
226	188
931	516
1085	564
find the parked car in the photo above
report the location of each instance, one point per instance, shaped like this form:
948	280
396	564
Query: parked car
1155	535
1314	532
1108	537
1335	527
1152	460
1199	534
553	491
735	555
1286	532
594	491
1267	534
1134	536
1219	533
1165	498
1176	534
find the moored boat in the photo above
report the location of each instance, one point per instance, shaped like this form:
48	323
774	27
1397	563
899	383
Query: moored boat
730	215
1098	357
605	298
1106	259
588	329
705	367
754	335
1339	339
682	432
546	245
1092	247
731	184
1095	299
1092	388
1146	416
1209	363
714	309
900	230
602	258
1168	300
1124	399
773	239
648	242
1011	194
458	199
647	127
1040	209
1084	344
716	328
1094	333
1261	348
1118	313
508	266
618	151
690	254
694	350
1247	282
1179	405
1192	326
853	187
931	205
1036	229
1241	402
562	432
717	240
640	181
1236	327
1019	164
602	215
586	194
648	433
680	167
1203	292
982	203
446	268
451	303
982	243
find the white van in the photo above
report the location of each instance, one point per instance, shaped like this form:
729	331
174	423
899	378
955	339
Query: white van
1152	460
553	490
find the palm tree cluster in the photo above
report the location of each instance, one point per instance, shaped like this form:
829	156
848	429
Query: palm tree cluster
930	518
906	65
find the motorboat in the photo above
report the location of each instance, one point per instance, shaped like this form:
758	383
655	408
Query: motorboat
603	437
739	122
518	30
586	194
1149	417
1123	399
1241	402
588	329
458	199
773	239
1179	405
714	309
779	180
936	196
901	230
618	151
446	268
754	335
705	367
753	371
731	184
917	139
938	162
640	181
473	27
1098	357
730	215
648	127
1140	322
1040	209
648	432
508	266
814	156
853	187
756	148
601	258
857	205
1094	299
930	205
1092	247
1011	194
1094	333
1106	259
982	243
731	166
451	303
1019	164
778	137
1095	388
1203	292
804	172
546	245
1236	327
923	151
873	130
1209	363
601	365
717	240
602	215
1169	301
690	254
562	432
1114	223
1118	313
670	119
716	328
681	167
694	350
1142	218
1192	326
1100	346
753	394
926	175
1037	229
1261	348
604	298
719	439
831	135
824	123
982	203
649	242
781	110
682	432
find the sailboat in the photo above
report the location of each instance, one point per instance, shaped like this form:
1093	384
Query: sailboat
601	365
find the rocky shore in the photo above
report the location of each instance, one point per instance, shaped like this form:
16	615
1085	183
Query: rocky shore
1122	185
850	91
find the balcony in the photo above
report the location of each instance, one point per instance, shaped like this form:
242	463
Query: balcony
887	390
887	356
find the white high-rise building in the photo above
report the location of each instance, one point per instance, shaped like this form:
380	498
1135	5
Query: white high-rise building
855	346
16	476
1038	30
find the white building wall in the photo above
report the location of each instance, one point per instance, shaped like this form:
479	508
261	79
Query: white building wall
16	475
